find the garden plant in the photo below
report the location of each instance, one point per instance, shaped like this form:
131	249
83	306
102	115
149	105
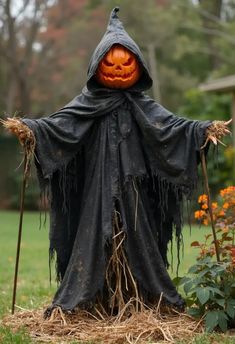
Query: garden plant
210	288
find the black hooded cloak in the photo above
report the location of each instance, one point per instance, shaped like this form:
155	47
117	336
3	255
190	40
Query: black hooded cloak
115	149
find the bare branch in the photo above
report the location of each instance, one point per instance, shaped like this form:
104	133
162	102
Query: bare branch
11	28
32	33
210	16
204	13
208	51
23	8
212	32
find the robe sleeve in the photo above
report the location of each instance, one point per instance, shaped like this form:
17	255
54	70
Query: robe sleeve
173	142
58	138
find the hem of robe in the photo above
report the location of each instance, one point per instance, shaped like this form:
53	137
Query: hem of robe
145	297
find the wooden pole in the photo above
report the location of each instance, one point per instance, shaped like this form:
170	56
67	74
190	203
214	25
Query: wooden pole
204	171
22	196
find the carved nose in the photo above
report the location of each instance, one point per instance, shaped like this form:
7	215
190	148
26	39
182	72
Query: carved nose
118	68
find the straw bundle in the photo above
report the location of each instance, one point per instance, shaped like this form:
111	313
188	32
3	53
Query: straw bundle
26	138
148	325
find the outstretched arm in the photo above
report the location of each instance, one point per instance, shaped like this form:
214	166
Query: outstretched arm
175	141
161	118
56	139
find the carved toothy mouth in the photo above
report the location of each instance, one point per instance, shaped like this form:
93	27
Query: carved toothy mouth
125	76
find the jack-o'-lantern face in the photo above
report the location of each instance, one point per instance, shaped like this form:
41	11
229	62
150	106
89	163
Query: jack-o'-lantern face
119	68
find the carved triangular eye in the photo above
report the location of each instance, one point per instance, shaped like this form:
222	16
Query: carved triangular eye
107	63
128	62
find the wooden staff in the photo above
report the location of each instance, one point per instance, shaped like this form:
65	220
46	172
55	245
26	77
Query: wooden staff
206	183
27	140
22	198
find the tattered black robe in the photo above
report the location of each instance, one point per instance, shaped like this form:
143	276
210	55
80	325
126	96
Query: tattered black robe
110	149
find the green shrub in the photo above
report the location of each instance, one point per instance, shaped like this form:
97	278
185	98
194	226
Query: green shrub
210	291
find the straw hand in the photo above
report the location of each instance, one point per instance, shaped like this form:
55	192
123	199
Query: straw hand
216	131
18	128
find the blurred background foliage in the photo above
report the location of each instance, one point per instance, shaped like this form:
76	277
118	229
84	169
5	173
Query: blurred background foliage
45	47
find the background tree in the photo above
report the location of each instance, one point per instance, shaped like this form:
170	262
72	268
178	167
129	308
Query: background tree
19	23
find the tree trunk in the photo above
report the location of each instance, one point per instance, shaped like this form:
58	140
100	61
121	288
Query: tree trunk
214	8
11	95
153	71
24	94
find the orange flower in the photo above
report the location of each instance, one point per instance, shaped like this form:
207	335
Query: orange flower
226	205
229	189
222	192
202	198
204	206
221	213
214	205
199	213
202	213
205	222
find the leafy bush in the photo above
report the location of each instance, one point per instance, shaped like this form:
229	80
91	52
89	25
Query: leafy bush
211	292
210	289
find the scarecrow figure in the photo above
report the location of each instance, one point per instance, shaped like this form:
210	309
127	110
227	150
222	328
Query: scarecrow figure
116	166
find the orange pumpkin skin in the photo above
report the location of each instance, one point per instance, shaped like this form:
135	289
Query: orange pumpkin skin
119	68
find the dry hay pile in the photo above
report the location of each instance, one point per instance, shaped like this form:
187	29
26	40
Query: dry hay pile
147	325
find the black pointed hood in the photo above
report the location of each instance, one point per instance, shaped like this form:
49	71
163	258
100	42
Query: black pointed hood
114	34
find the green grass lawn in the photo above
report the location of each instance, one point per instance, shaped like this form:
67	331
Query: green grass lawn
34	288
33	283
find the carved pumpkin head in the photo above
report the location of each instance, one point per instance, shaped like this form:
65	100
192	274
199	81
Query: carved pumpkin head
119	68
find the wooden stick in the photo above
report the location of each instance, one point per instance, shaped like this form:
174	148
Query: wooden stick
206	183
22	197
